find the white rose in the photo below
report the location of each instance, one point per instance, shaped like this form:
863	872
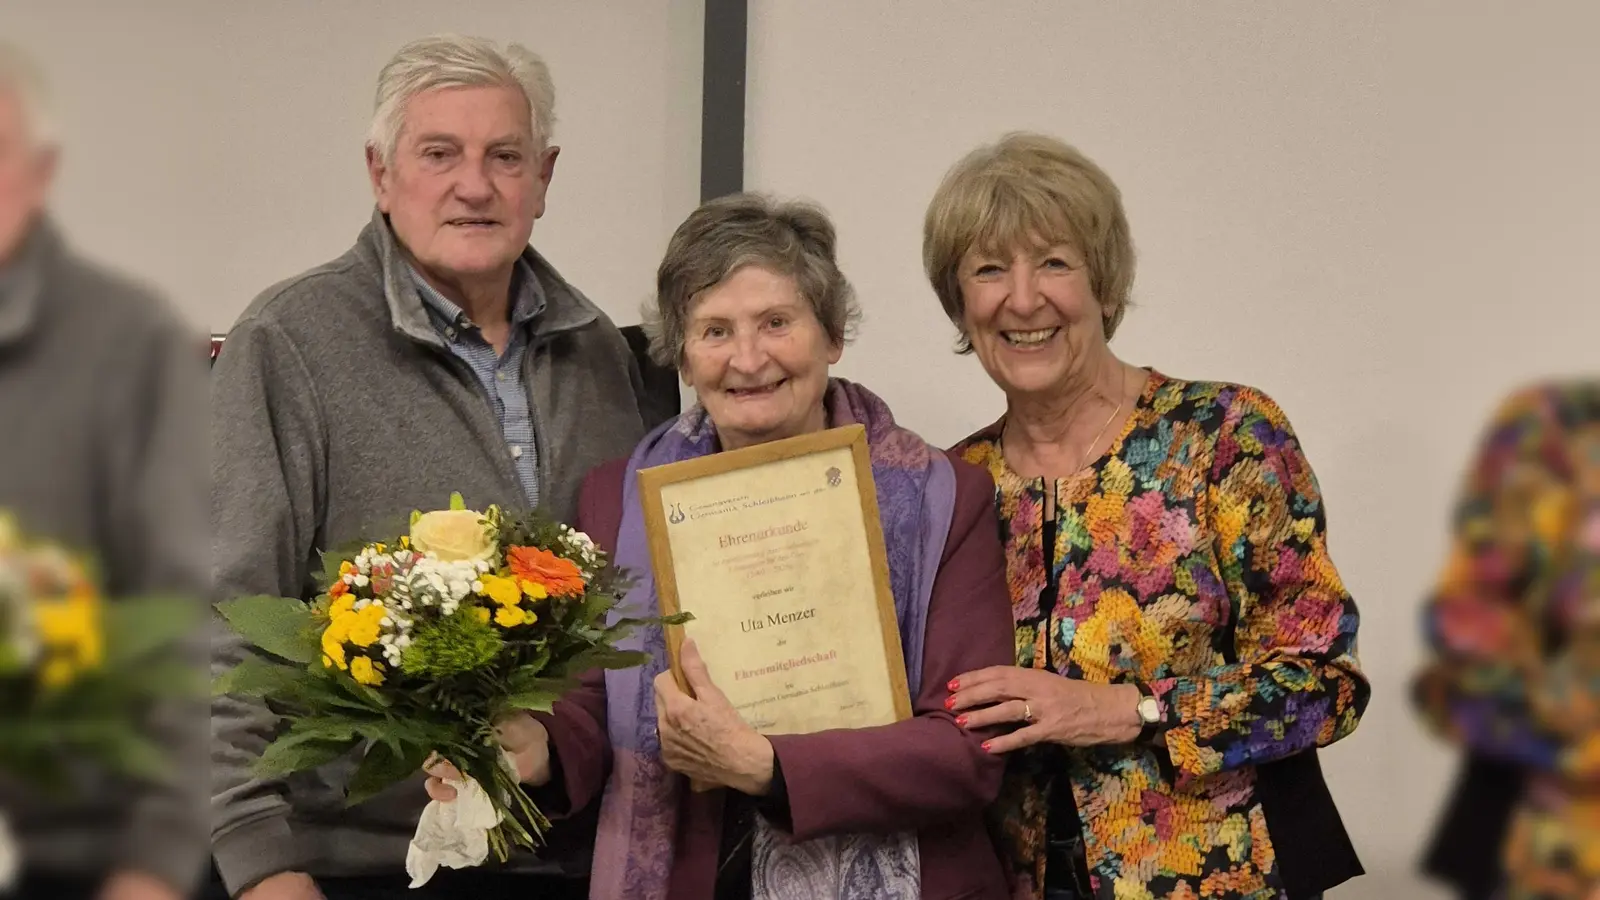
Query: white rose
454	535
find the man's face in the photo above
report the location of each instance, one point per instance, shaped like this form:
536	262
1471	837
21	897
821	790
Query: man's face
466	182
25	173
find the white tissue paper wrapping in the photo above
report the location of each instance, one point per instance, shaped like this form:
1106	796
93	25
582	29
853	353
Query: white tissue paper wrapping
453	834
10	856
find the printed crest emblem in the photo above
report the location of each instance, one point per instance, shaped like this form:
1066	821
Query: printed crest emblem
676	515
835	477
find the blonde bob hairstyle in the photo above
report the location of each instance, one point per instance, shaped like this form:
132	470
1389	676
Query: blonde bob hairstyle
1028	191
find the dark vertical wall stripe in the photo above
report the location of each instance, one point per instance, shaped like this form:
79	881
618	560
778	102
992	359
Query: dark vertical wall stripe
722	99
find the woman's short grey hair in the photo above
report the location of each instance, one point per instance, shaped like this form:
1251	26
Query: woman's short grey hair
21	75
451	60
724	235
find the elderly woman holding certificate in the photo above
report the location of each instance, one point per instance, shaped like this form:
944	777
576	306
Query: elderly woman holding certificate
1184	642
696	803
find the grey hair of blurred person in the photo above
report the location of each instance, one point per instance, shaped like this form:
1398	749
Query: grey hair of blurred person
22	76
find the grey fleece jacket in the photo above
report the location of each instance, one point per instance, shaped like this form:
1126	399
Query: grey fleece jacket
337	409
102	446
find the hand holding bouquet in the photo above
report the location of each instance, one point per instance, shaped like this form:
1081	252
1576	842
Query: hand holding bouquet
420	646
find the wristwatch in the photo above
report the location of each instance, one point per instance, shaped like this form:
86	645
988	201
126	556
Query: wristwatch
1149	712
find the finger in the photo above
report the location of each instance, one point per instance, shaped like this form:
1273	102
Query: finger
441	768
696	673
440	791
985	693
1008	713
1017	740
979	676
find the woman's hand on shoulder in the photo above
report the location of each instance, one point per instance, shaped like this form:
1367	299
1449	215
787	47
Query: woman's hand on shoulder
1048	708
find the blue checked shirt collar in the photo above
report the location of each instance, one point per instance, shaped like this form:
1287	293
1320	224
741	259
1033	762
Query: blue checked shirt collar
528	301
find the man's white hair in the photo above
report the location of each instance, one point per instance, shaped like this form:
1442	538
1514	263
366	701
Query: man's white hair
22	76
452	60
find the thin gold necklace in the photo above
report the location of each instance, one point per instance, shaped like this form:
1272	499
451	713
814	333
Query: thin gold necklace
1089	453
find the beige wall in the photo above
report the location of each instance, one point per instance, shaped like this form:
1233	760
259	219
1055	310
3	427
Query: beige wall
1383	218
215	146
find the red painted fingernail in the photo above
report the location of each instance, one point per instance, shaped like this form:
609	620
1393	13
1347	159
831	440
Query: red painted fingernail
949	703
962	721
986	746
954	685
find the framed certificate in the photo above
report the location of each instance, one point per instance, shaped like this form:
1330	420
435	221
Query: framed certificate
777	552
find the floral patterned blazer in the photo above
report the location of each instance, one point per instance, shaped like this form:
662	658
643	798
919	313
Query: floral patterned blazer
1191	557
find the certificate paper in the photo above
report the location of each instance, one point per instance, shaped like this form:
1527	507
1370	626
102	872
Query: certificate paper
777	552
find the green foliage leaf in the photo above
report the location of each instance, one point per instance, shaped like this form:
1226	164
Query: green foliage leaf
534	700
382	767
281	626
598	658
140	627
301	750
456	501
257	677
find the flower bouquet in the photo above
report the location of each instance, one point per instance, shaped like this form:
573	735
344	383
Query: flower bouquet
79	675
421	644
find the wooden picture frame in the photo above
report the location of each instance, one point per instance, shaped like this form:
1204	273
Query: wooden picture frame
781	480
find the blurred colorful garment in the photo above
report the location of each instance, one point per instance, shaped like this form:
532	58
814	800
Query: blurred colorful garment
1514	630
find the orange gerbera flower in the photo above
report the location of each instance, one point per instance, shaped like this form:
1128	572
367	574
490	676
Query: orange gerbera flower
561	577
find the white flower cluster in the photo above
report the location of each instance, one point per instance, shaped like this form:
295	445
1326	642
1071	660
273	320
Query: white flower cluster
16	615
25	574
581	549
406	582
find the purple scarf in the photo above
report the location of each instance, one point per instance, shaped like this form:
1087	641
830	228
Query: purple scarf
633	855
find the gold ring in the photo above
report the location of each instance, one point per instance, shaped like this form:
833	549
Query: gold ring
1027	711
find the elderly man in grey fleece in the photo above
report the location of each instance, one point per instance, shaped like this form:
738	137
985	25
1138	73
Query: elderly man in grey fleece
101	447
441	353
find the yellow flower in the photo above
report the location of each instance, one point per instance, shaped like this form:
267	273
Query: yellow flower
508	617
342	605
365	671
347	568
62	623
57	673
534	590
333	638
454	535
481	613
332	653
503	591
367	627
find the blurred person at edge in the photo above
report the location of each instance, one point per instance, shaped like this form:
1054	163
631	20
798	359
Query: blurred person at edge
1513	677
101	393
1184	642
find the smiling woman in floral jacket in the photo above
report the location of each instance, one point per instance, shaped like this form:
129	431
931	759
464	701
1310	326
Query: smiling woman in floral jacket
1184	641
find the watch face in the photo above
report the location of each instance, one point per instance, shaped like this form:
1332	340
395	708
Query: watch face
1149	711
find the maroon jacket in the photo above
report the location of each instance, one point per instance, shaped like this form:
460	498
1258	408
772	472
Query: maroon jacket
926	772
